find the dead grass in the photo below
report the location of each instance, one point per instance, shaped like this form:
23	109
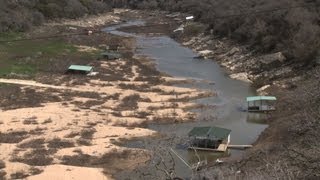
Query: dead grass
125	123
34	143
14	97
131	102
88	104
58	143
167	119
31	121
142	114
117	114
34	171
172	105
37	131
77	160
140	88
86	160
113	97
2	164
19	175
47	121
84	142
152	80
13	137
2	174
87	133
36	157
72	134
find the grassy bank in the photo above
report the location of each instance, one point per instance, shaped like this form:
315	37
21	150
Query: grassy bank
27	58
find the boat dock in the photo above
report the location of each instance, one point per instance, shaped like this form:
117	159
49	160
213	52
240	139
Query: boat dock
239	146
221	148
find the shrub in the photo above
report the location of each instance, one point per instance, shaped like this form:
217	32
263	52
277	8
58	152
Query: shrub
194	29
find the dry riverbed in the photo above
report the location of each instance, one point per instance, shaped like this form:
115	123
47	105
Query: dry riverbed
63	126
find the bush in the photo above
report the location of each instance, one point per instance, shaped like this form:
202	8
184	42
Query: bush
295	31
194	29
21	15
51	10
95	7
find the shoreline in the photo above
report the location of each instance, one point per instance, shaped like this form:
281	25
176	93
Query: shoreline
268	73
221	50
72	125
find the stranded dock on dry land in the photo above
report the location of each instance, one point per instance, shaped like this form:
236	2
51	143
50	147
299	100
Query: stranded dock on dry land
261	103
212	139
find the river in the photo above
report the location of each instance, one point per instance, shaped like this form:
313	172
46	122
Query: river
178	61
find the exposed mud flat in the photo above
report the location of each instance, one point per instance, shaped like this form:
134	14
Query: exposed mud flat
62	126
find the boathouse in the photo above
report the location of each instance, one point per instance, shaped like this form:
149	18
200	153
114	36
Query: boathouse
261	103
209	138
110	55
80	69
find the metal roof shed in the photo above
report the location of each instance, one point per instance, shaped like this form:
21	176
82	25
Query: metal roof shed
111	55
210	132
80	68
261	103
210	138
258	98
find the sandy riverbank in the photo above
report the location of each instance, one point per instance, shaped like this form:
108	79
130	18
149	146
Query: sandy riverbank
62	126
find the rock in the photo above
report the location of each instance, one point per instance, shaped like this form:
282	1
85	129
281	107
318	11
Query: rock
241	76
272	58
38	54
28	58
103	46
205	52
177	19
192	41
205	39
318	61
233	51
73	28
174	15
179	29
263	88
210	42
283	71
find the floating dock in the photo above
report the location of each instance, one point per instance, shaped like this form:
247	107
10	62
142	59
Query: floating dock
239	146
221	148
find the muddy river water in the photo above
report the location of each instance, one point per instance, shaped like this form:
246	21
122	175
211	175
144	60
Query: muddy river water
174	59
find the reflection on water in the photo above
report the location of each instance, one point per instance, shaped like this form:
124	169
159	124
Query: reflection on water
205	156
224	109
258	118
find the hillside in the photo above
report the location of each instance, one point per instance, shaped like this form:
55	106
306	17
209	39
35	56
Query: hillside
22	15
294	31
289	148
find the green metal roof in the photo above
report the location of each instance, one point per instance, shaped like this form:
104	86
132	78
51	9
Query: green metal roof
80	68
258	98
210	132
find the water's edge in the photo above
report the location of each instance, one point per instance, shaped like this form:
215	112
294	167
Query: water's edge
172	58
